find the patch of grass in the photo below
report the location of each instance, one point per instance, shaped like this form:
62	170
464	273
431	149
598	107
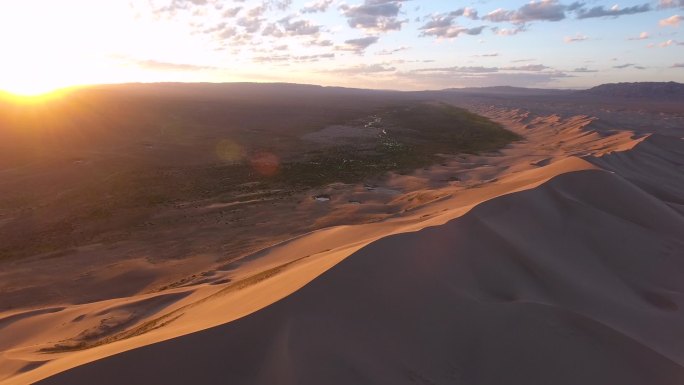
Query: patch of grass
442	128
413	136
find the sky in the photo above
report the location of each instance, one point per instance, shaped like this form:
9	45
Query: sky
384	44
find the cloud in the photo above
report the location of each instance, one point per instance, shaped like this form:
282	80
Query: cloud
548	10
628	65
287	27
197	7
642	36
180	5
583	70
669	43
363	69
481	77
393	51
468	12
250	25
481	69
232	26
251	22
443	25
320	43
231	12
576	38
672	21
374	15
459	70
552	10
493	54
359	45
292	58
280	5
316	6
678	65
226	32
528	67
509	31
257	11
663	4
614	11
171	67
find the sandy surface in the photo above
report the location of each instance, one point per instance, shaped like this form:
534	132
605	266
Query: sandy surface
557	260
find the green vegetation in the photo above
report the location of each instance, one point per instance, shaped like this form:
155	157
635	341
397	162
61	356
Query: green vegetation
413	136
444	128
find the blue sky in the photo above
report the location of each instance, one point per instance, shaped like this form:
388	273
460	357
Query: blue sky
396	44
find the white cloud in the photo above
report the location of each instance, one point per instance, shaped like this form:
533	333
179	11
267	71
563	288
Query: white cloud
317	6
549	10
509	31
613	11
393	51
576	38
672	21
669	43
365	69
374	15
358	45
663	4
443	25
642	36
288	27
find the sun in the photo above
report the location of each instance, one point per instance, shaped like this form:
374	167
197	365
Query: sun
57	47
29	89
25	79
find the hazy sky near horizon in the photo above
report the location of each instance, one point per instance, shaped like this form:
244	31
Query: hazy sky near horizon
394	44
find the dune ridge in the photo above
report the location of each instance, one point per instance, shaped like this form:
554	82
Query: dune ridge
500	249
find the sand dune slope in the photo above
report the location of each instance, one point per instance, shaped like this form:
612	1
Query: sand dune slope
576	281
655	164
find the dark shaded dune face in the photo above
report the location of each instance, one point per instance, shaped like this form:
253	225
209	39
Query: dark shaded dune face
547	286
655	165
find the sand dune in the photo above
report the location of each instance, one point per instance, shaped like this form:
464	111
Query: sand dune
526	288
562	252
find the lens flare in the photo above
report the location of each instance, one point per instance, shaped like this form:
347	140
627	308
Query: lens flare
229	151
265	163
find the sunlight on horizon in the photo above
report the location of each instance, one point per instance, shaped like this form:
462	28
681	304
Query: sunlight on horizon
59	48
46	51
32	89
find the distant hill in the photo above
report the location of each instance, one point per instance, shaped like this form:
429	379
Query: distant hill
646	90
507	90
